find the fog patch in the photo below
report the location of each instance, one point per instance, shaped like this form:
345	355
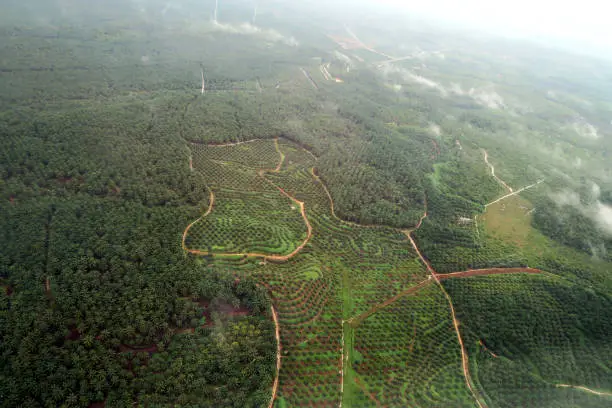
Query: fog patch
427	82
414	78
422	55
344	58
598	251
585	130
488	98
435	129
603	214
578	163
567	197
598	212
249	29
562	174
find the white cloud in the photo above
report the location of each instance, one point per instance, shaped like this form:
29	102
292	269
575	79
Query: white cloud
587	21
488	98
578	163
485	97
598	212
567	198
603	215
426	82
249	29
344	58
435	129
406	75
586	130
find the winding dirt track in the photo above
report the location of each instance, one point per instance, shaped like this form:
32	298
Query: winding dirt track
211	203
500	181
514	193
266	257
333	211
464	356
355	321
278	357
231	144
503	183
487	349
365	46
435	276
486	272
430	268
580	387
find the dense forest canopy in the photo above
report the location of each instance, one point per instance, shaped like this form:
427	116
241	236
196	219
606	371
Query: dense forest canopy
396	152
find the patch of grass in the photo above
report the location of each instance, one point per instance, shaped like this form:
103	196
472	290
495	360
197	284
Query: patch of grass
509	220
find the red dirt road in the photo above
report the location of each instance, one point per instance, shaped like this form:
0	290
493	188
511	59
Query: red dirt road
465	274
147	349
464	356
211	203
500	181
487	349
276	258
430	268
486	272
355	321
278	357
437	277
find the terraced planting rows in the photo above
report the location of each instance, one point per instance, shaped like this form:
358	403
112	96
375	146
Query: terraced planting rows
250	215
309	290
363	317
419	365
240	224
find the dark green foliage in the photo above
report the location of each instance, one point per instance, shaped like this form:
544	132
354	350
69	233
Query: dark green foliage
544	330
230	364
82	350
571	226
452	244
94	201
101	111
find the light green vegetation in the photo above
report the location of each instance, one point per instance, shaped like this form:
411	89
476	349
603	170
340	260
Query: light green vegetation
509	220
343	271
420	365
102	111
250	215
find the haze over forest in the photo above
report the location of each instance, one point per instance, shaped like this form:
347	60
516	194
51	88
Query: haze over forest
243	203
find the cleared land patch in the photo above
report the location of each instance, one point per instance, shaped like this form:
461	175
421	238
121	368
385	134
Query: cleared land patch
362	318
344	269
509	220
251	215
420	364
